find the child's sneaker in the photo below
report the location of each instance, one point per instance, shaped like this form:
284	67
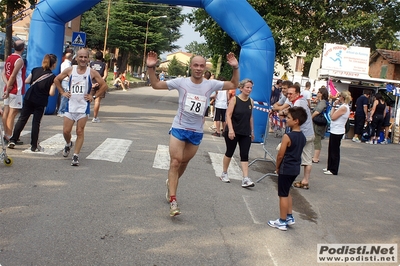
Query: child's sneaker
224	177
174	209
278	224
290	220
246	182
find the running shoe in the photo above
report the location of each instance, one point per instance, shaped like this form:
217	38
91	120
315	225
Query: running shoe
278	224
224	177
174	209
290	220
75	160
96	120
67	149
246	182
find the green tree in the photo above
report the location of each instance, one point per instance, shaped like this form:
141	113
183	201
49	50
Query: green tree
127	28
199	49
304	26
13	10
175	68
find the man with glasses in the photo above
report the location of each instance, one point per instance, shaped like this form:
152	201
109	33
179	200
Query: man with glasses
296	99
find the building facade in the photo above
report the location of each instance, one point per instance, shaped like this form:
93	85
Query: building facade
385	64
21	27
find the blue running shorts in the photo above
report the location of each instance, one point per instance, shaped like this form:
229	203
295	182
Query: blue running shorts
187	135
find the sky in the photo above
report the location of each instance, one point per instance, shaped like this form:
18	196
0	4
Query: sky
188	34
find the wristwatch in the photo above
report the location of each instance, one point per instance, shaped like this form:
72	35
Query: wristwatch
94	97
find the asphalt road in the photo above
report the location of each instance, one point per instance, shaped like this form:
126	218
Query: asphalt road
107	213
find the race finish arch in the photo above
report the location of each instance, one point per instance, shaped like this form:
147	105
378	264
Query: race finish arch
239	20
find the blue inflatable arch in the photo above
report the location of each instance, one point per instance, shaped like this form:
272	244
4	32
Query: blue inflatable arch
239	20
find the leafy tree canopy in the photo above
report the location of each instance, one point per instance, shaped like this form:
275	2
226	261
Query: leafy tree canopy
199	49
175	68
127	27
10	11
304	26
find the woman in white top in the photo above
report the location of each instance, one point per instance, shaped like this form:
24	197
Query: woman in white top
339	114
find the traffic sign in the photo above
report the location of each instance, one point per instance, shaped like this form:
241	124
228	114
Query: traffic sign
78	39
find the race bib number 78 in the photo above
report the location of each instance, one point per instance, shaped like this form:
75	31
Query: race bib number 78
195	104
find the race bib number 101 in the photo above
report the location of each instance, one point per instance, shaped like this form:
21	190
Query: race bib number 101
195	104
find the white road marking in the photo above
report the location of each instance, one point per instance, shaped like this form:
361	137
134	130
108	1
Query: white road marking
113	150
161	159
249	209
52	145
23	132
272	257
234	170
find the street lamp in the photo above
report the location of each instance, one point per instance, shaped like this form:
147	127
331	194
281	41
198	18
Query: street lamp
145	40
106	33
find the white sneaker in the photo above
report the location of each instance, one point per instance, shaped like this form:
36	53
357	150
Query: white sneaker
356	140
246	182
96	120
325	169
328	173
278	224
224	177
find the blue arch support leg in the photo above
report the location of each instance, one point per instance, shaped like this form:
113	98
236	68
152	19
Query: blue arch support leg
47	33
257	55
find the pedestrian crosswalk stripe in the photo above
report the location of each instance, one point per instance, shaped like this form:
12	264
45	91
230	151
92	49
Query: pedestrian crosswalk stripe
234	170
52	145
161	159
23	132
111	149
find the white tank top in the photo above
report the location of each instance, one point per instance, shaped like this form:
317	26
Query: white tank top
338	126
79	85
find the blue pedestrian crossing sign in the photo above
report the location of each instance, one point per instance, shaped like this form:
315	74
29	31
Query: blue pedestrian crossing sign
78	39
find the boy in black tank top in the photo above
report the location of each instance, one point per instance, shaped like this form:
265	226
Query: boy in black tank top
288	163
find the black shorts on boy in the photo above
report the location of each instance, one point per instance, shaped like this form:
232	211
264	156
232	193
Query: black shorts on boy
284	184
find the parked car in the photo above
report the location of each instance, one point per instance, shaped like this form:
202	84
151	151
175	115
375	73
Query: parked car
3	44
